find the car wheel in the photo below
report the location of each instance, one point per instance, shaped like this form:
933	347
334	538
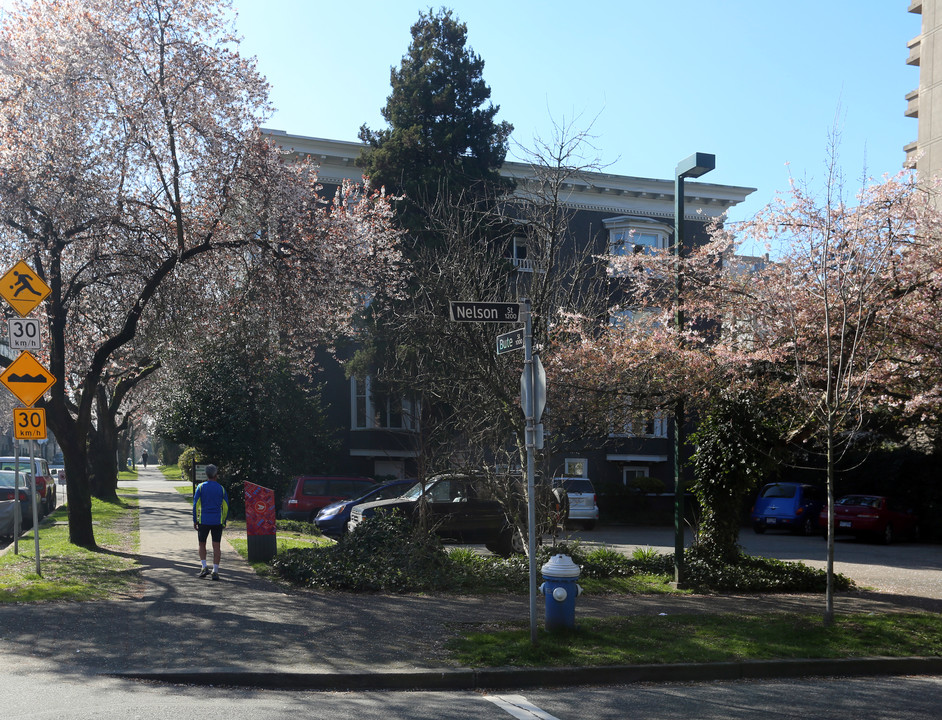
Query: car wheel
887	534
759	528
809	526
505	543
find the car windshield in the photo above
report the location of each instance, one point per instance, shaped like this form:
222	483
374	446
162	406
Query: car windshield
414	492
393	491
860	500
10	465
779	491
7	478
578	485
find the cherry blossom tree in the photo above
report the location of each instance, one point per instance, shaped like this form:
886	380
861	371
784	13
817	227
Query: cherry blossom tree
131	162
818	328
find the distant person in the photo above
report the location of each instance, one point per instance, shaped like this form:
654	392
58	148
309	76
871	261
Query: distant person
210	512
144	459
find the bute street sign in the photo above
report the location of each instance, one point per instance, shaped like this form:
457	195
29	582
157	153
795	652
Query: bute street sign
460	311
510	341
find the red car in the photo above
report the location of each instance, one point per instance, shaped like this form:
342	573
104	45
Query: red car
872	515
308	494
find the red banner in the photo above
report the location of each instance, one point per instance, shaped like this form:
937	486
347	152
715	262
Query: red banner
259	510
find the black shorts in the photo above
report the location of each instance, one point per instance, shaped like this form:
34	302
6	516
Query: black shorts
203	531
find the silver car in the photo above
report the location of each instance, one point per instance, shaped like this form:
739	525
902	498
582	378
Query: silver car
583	507
7	502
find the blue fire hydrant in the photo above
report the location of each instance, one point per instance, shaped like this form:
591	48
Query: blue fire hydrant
561	590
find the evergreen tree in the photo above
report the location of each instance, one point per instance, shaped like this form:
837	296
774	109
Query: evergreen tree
442	136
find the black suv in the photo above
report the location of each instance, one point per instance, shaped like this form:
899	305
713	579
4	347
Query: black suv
459	508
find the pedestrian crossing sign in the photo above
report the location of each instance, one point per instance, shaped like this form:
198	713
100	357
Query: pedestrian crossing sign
23	288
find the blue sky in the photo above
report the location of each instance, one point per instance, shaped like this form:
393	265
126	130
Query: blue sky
759	83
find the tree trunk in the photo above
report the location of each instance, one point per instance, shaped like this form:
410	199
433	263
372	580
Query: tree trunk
79	498
829	593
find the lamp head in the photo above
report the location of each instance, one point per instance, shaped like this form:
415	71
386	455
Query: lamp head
696	165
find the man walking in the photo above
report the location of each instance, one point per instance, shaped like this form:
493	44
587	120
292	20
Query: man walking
210	511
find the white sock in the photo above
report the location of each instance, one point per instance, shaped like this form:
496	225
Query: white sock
204	563
215	568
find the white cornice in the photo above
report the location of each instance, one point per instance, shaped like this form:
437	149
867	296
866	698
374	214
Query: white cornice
602	192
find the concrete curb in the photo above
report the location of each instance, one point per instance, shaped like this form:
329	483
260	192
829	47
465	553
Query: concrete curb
504	678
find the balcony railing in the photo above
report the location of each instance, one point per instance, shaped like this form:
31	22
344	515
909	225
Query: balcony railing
526	265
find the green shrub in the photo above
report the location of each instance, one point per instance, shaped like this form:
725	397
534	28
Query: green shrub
384	554
388	554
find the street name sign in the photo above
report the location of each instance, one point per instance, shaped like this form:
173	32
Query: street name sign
507	342
462	311
29	423
23	288
27	379
24	334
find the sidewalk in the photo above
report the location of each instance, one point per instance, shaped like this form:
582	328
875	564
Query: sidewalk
243	630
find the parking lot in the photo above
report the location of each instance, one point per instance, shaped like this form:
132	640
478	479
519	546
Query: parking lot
913	569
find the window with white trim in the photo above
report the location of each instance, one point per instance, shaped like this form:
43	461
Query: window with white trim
577	467
625	241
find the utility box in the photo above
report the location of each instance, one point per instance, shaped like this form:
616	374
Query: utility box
260	523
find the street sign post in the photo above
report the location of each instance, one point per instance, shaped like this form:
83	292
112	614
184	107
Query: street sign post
23	288
27	379
463	311
24	334
532	398
508	342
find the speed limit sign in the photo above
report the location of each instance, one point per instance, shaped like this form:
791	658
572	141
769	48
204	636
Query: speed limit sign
24	334
29	423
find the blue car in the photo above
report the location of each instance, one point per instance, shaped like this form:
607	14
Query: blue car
789	506
332	520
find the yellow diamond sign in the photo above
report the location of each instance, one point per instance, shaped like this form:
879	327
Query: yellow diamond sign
23	288
27	378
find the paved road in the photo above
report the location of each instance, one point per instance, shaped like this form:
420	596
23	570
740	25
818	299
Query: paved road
102	698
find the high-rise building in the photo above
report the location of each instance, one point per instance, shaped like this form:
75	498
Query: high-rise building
925	102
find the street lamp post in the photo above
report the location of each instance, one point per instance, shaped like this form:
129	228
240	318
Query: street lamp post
694	166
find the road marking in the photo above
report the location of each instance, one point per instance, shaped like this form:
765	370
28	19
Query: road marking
519	707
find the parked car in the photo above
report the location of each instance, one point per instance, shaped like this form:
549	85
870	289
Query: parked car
7	508
874	516
459	507
45	481
311	493
788	505
583	507
332	520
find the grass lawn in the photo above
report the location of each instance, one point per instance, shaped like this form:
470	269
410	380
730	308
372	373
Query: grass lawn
69	572
702	638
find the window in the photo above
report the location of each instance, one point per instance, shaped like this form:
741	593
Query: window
520	255
370	409
630	472
642	424
577	467
626	242
629	234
